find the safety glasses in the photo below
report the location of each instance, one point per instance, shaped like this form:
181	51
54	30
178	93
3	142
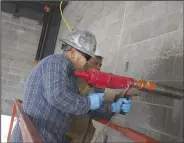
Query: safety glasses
86	56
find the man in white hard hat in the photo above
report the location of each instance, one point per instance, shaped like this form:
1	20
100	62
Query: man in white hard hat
51	95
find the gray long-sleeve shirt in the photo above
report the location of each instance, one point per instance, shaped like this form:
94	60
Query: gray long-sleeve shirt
51	97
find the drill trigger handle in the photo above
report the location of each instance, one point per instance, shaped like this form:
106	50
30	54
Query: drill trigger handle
125	96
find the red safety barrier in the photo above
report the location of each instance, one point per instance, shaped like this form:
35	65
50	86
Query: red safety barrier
27	128
129	133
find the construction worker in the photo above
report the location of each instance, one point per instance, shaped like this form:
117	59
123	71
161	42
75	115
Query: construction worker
51	95
85	89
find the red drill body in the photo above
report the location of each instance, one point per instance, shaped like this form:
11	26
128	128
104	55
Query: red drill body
108	80
105	80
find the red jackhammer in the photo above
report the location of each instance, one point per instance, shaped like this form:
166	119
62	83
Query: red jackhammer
108	80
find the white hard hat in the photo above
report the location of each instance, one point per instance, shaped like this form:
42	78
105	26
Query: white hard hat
97	53
84	41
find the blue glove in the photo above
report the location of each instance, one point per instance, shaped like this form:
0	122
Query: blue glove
96	100
121	105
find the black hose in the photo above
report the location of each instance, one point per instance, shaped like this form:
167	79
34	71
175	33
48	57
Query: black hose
160	89
170	92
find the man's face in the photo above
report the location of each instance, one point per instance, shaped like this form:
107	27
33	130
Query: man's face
79	59
95	63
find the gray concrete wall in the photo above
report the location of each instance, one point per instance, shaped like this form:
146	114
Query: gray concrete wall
149	36
20	39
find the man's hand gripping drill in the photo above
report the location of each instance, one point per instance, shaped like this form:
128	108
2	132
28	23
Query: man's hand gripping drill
121	104
125	99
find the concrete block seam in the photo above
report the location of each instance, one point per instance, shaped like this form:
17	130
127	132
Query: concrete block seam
6	86
154	20
126	15
19	24
163	133
165	106
168	13
153	38
120	37
173	9
166	120
141	17
144	102
155	5
78	5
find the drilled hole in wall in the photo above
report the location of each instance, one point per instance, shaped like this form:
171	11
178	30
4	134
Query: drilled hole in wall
126	66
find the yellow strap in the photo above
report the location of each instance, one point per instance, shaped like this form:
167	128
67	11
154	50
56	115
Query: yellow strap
64	18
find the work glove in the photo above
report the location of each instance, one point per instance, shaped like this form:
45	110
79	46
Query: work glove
121	104
96	100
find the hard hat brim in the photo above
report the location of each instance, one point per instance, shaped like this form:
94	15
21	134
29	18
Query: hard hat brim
78	48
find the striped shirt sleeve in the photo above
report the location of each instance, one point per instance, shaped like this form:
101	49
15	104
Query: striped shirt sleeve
57	91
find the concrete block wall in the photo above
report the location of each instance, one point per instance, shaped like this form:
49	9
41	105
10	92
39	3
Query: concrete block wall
148	37
20	39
